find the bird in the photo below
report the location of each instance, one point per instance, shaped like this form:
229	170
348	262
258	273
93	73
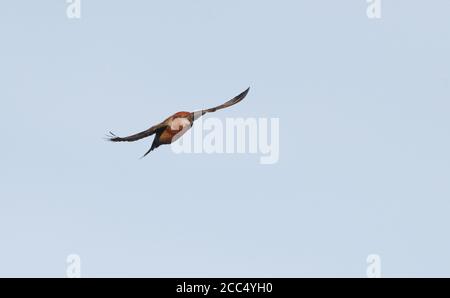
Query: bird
172	128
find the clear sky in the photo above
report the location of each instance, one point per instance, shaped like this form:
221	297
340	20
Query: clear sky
364	138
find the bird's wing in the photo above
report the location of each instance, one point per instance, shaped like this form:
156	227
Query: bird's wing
229	103
138	136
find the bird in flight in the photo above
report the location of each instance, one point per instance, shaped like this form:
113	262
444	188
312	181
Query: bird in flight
175	126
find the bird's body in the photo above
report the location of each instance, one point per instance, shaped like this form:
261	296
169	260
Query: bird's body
175	126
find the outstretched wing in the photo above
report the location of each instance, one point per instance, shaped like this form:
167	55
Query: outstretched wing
229	103
138	136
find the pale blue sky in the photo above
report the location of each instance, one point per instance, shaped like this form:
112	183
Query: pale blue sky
364	143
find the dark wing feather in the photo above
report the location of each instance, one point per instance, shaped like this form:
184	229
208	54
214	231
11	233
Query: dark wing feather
138	136
229	103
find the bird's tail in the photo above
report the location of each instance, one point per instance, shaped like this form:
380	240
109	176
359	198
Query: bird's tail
155	145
